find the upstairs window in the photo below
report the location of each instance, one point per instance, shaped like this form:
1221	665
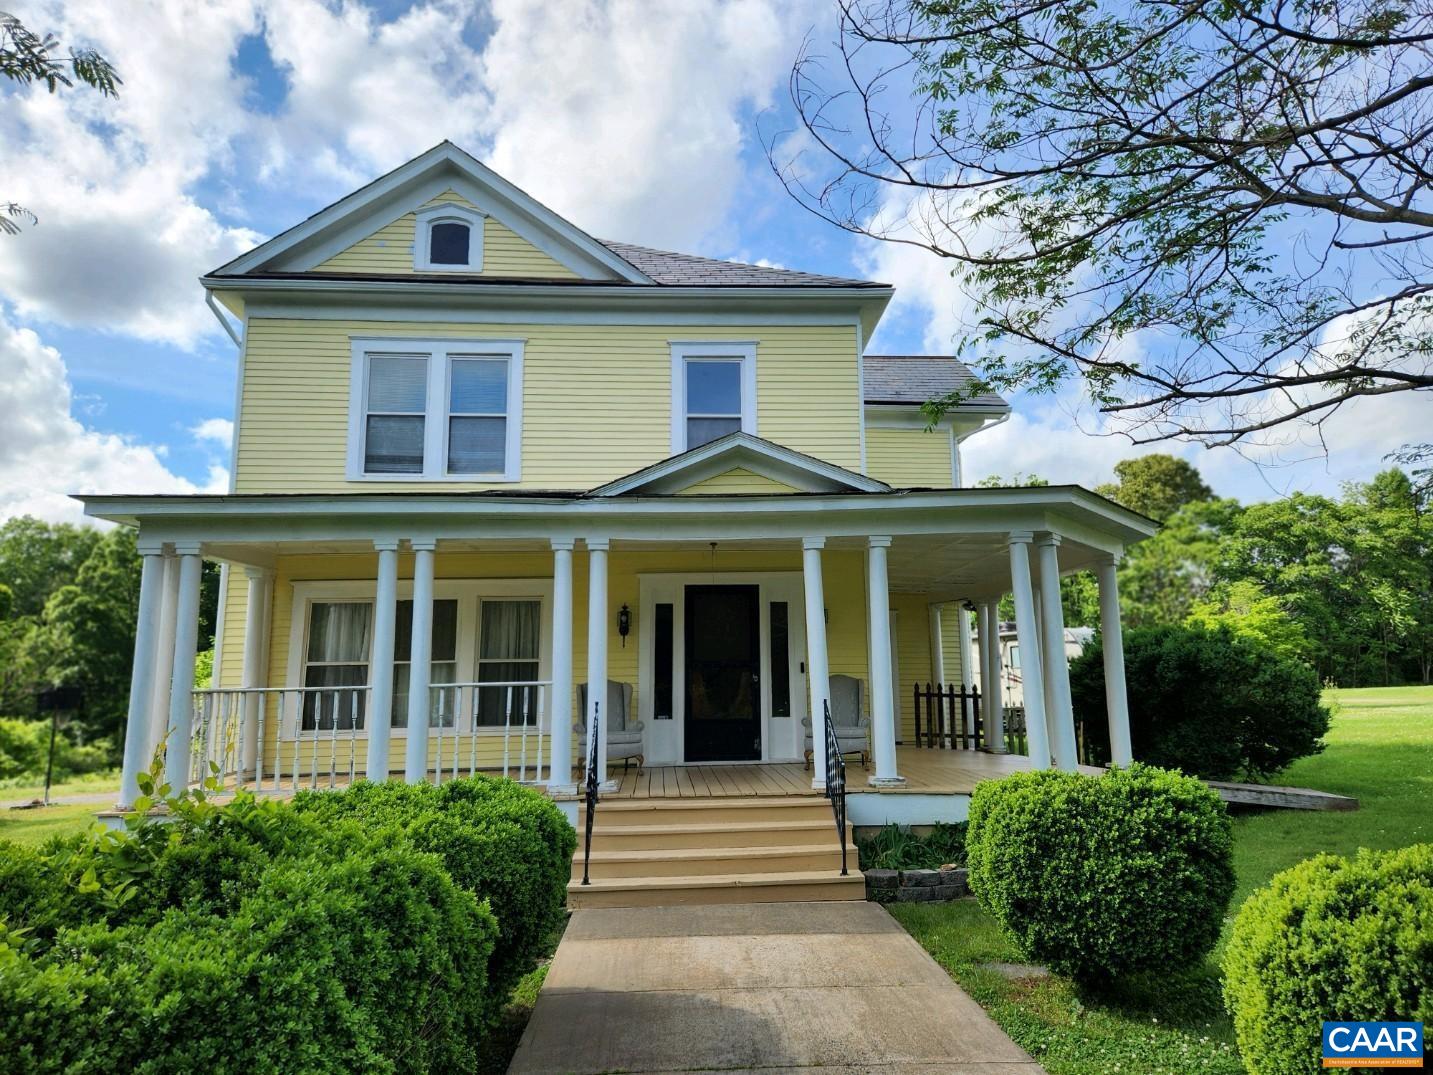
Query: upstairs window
448	238
713	392
436	410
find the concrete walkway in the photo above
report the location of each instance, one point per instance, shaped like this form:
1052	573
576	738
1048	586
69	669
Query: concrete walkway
770	987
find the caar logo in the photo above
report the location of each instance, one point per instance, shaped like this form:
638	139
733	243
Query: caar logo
1373	1045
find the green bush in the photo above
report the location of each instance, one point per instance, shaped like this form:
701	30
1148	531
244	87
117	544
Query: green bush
25	748
1110	875
1331	938
374	963
1204	701
507	844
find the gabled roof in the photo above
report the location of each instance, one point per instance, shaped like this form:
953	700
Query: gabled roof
671	269
766	458
444	167
913	379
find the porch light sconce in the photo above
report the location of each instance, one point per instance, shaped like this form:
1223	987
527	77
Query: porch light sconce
624	624
968	605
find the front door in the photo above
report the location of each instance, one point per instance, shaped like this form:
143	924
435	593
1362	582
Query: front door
723	662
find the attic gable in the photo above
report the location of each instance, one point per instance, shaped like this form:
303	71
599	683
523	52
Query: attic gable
740	464
517	231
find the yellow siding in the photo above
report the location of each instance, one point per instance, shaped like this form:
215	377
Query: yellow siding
912	628
844	589
596	399
736	482
910	457
950	614
390	250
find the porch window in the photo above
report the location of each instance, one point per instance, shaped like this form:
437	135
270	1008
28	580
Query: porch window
663	671
339	636
436	410
780	660
444	660
713	392
509	637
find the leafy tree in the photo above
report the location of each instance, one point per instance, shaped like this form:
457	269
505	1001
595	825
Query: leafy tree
37	557
27	57
1248	612
1163	577
1156	485
1214	213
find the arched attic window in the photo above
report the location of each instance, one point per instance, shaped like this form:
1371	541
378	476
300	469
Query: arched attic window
449	238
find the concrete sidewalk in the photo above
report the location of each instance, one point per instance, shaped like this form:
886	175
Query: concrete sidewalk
773	987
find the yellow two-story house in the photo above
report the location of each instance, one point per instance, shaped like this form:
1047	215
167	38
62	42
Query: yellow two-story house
483	459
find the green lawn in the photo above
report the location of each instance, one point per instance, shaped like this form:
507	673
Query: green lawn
39	824
79	785
1380	750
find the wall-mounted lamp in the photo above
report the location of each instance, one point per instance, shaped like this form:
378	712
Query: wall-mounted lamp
624	624
968	605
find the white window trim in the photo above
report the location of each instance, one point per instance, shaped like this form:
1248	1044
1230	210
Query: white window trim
684	351
467	592
435	426
454	213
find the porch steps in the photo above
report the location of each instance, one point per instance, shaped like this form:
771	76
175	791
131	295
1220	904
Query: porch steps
653	852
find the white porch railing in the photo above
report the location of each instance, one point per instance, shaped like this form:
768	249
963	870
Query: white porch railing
321	734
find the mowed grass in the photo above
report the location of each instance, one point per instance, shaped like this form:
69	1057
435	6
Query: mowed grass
89	783
1380	750
38	824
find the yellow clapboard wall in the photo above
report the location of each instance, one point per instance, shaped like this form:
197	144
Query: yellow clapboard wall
389	250
736	482
596	399
911	457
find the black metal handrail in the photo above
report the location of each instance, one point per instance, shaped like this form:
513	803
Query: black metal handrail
835	784
590	784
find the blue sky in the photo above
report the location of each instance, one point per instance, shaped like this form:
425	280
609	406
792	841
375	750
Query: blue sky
639	120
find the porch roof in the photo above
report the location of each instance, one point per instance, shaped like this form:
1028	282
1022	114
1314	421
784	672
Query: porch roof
948	543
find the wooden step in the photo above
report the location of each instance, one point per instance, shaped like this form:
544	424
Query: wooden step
710	861
720	834
705	811
784	887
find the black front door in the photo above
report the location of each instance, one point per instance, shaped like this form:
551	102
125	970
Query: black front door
723	712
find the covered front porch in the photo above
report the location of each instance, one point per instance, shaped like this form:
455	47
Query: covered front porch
343	615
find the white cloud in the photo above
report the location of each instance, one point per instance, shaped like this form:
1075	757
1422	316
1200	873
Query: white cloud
216	431
46	453
121	236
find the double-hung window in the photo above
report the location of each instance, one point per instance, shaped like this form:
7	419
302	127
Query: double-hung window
713	392
339	637
435	410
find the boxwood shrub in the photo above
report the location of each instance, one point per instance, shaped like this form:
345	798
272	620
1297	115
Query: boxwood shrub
1209	703
1331	938
507	844
1103	875
373	963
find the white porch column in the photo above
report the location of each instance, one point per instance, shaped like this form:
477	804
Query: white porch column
818	671
1028	635
186	641
142	675
990	678
256	619
937	643
883	717
1112	636
559	706
1061	714
597	652
163	659
415	768
379	718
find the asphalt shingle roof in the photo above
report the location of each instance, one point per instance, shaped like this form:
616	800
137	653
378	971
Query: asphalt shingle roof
917	378
673	269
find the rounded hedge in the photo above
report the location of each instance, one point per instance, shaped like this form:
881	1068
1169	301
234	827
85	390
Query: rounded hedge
507	844
1209	703
1103	875
1331	938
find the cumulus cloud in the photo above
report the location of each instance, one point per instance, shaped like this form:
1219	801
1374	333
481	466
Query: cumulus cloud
218	432
46	453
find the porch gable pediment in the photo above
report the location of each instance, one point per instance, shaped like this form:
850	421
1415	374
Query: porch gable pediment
740	464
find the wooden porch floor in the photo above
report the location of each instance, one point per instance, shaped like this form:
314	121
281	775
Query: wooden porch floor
927	772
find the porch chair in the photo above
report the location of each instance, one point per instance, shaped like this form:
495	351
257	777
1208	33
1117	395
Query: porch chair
624	733
853	731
